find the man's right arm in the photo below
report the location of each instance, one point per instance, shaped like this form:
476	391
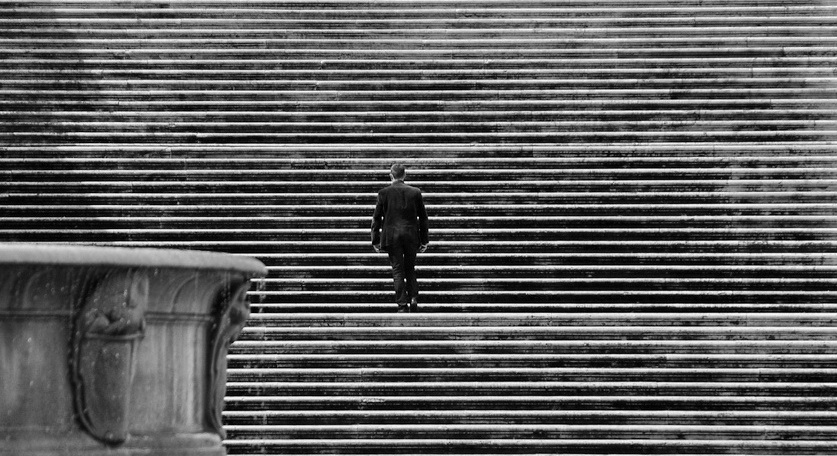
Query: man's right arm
424	226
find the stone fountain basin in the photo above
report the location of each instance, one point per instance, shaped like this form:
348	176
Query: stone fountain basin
116	351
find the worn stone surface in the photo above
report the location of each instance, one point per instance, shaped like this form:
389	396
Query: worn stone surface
102	352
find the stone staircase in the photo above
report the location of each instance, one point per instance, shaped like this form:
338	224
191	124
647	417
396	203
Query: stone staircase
633	237
579	383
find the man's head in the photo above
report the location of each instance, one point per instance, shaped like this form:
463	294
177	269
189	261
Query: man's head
398	171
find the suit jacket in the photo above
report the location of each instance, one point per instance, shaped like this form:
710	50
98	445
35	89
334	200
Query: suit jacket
401	208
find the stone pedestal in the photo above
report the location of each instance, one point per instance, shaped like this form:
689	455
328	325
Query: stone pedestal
109	351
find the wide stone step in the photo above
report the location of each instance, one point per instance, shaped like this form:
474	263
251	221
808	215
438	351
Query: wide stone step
802	231
248	366
814	286
791	31
710	219
301	447
553	296
563	196
428	42
547	431
359	137
222	116
597	11
541	333
402	32
599	405
109	69
523	417
556	185
461	94
337	215
638	15
530	446
419	155
701	254
261	376
475	255
528	388
732	318
80	169
372	81
511	357
532	347
431	271
811	245
220	51
566	175
247	162
765	64
384	305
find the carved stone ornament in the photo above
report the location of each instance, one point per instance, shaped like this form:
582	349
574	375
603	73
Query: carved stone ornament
108	330
233	314
109	351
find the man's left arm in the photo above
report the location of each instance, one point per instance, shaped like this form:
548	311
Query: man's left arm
377	217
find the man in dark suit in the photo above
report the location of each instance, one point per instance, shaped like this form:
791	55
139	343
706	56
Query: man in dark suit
403	234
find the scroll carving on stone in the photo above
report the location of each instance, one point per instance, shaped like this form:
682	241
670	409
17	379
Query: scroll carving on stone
233	314
108	328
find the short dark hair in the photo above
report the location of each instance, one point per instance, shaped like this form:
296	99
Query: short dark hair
398	171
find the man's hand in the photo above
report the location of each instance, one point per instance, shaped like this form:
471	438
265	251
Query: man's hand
423	248
377	248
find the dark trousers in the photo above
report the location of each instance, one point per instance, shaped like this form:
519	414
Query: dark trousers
403	261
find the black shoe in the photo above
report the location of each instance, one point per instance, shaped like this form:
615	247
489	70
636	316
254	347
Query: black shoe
414	305
402	308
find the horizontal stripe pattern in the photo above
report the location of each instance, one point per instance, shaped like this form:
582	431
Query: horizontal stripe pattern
633	238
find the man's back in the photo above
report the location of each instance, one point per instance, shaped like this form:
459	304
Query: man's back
401	208
400	212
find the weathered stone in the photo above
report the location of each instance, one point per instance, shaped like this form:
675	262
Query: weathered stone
116	351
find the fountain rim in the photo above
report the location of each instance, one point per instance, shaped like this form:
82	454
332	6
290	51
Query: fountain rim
12	254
